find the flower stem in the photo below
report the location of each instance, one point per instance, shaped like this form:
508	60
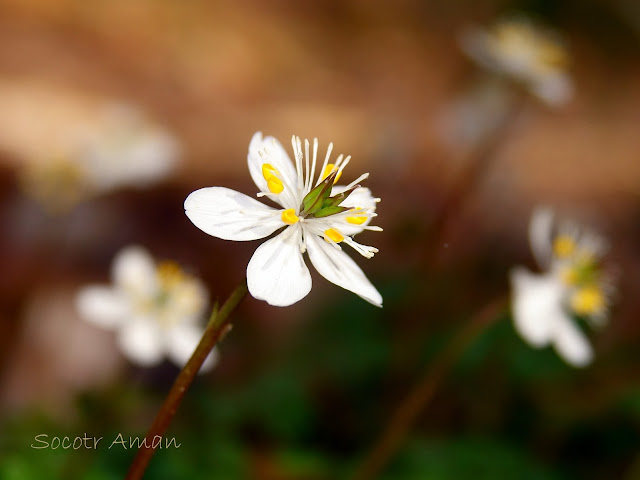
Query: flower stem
473	172
416	401
216	328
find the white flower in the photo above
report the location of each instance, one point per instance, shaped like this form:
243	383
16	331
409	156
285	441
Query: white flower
155	308
572	285
120	149
317	215
526	53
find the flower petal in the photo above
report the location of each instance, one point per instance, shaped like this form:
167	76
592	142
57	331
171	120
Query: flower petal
269	150
537	306
337	267
554	89
276	273
182	340
102	306
141	341
134	271
231	215
360	198
540	235
572	344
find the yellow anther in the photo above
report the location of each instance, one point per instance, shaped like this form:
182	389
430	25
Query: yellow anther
522	39
274	184
564	246
570	276
552	54
328	170
289	216
360	219
334	235
357	220
169	273
588	300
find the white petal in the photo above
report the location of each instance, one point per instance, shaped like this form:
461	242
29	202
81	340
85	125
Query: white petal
360	198
276	273
554	89
540	235
537	306
274	154
572	344
337	267
102	306
231	215
182	340
141	341
134	271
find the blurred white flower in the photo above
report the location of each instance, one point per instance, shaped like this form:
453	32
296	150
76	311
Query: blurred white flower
126	150
314	221
526	53
156	309
121	149
572	285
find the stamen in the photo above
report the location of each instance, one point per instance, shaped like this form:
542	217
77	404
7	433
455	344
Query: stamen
344	164
169	273
587	301
313	163
274	184
328	170
297	152
564	246
357	220
364	176
569	276
333	235
360	219
306	156
364	250
301	171
289	216
324	165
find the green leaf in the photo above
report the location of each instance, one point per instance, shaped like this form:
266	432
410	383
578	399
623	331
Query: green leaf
330	210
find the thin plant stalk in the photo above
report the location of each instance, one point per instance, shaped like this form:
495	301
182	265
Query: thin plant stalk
219	324
468	178
407	413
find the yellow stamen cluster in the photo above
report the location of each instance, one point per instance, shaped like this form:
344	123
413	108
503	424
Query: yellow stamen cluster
564	246
289	216
58	183
580	271
334	235
169	274
570	275
587	300
518	38
270	174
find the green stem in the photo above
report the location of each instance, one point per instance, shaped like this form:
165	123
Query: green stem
216	328
416	401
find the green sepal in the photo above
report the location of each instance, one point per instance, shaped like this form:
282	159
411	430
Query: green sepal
330	210
338	199
314	200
